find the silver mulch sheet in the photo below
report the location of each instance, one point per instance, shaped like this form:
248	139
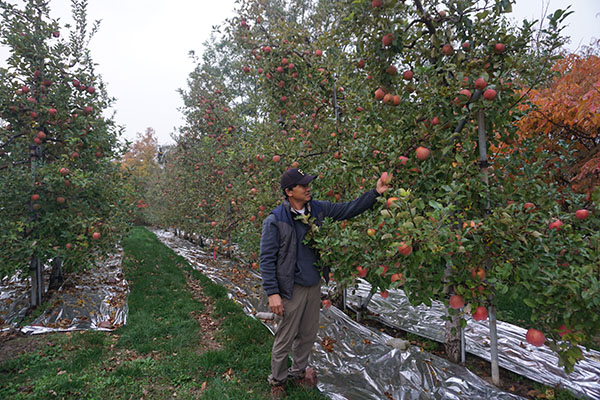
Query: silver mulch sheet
92	299
352	361
515	354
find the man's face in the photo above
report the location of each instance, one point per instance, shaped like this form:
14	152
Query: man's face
300	193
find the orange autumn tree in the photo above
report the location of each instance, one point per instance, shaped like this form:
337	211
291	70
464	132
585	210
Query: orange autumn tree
141	163
567	115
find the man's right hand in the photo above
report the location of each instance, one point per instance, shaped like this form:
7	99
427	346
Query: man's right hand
275	304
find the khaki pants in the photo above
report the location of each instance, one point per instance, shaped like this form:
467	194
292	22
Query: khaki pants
296	333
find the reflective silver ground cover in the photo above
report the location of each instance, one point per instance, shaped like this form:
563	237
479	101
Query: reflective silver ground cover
515	354
93	299
352	361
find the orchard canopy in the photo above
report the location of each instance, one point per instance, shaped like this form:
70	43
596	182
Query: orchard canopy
440	96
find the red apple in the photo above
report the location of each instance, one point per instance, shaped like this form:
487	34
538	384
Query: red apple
361	63
385	269
379	94
457	301
213	224
466	93
326	303
385	294
489	94
499	48
396	277
447	49
528	206
387	39
68	246
403	160
480	314
276	158
407	75
35	197
376	3
423	153
563	330
96	235
386	178
582	214
362	272
535	337
466	46
391	70
478	273
556	224
318	53
396	100
52	111
404	249
480	83
60	200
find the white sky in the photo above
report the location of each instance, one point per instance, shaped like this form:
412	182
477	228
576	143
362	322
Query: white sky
142	49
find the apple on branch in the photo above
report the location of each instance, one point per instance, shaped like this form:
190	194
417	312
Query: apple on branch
582	214
457	302
423	153
480	314
535	337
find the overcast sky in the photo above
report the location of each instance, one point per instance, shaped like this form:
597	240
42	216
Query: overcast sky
142	49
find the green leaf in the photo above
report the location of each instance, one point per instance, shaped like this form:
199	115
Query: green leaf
435	204
529	302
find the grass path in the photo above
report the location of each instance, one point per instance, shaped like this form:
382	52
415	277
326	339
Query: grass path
184	339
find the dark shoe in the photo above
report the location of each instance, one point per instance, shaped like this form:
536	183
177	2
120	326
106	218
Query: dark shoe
277	392
309	381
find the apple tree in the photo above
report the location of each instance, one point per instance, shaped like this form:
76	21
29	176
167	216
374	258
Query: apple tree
63	196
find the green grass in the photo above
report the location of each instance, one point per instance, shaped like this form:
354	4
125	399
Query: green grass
159	351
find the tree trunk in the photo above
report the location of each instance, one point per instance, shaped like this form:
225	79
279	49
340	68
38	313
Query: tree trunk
56	276
452	343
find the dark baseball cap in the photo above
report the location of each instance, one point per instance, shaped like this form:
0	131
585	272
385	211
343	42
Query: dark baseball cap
295	176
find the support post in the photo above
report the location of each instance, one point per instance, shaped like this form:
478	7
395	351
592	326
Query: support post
37	283
483	162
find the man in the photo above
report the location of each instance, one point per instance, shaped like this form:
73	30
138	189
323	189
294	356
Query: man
291	277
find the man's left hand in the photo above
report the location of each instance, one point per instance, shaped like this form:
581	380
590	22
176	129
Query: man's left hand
381	187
